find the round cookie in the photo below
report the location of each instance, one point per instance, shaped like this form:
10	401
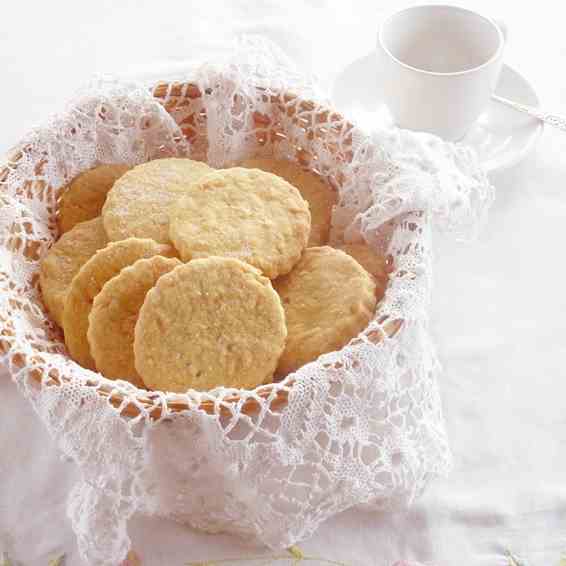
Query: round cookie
114	313
247	214
211	322
64	260
138	203
85	195
87	283
372	262
320	196
328	299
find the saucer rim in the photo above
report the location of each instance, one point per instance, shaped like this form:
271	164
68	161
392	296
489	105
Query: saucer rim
537	130
490	166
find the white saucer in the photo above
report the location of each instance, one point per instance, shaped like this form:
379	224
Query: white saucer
501	136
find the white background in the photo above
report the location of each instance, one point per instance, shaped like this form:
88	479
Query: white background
499	312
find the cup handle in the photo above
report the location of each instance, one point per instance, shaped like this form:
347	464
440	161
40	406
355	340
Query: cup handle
502	26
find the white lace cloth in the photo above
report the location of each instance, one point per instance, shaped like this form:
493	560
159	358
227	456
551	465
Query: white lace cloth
362	425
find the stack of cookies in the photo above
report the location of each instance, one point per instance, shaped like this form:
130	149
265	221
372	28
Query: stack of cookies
173	275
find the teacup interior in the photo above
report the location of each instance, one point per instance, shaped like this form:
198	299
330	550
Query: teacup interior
440	39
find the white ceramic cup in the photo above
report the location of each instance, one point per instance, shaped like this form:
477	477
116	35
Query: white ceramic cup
440	65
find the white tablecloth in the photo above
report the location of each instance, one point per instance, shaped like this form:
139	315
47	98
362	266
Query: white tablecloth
498	314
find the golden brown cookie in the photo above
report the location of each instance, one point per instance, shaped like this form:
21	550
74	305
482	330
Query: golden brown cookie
114	314
64	260
87	283
84	197
138	203
320	196
247	214
328	299
211	322
372	262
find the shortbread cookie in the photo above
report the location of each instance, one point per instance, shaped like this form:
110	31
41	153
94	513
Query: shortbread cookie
328	299
320	196
114	314
247	214
211	322
64	260
372	262
84	197
87	283
138	203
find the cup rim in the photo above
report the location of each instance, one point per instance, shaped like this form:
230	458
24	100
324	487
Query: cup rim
491	21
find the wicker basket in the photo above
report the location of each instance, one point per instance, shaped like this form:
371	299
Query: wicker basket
182	100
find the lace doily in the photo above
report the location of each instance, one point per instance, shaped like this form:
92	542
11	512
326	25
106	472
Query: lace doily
359	426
